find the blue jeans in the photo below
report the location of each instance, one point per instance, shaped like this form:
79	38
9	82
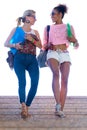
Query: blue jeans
23	62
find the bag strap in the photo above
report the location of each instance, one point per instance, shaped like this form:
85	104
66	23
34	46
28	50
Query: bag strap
48	29
69	32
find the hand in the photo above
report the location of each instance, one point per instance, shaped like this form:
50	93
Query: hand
48	46
76	45
28	37
45	46
18	46
72	39
35	37
31	36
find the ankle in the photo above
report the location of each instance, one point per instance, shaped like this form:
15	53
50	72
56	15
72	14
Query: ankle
27	108
58	106
23	104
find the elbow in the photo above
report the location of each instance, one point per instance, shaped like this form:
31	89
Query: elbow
5	45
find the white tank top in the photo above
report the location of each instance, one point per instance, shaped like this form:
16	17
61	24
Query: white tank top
31	32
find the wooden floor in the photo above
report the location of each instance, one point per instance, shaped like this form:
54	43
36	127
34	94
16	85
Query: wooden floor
43	116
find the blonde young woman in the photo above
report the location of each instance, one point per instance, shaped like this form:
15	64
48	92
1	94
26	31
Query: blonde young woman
58	58
24	51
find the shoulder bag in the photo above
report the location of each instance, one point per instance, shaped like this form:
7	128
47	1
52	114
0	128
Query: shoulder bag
41	58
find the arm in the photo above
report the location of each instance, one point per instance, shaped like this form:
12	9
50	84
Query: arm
46	39
45	46
35	39
8	44
38	43
73	38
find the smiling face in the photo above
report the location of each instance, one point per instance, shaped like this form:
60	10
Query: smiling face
56	16
31	18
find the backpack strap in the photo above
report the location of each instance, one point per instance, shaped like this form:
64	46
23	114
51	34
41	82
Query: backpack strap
48	29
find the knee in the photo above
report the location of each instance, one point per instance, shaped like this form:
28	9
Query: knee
64	82
55	74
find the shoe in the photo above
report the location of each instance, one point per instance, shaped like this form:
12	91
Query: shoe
58	111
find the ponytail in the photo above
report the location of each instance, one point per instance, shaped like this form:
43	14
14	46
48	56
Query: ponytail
19	20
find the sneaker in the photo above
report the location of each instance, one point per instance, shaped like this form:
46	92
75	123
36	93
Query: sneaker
58	111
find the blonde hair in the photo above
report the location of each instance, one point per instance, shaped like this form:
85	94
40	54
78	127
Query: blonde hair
26	13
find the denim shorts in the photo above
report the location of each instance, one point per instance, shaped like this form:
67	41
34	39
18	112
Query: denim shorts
59	55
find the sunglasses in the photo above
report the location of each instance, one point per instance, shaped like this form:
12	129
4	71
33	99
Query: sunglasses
53	13
32	16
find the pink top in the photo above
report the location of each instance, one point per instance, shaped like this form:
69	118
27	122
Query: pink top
57	34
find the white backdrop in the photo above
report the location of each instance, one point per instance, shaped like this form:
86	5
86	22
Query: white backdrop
10	10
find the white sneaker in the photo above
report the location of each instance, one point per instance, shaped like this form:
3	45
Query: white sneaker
58	111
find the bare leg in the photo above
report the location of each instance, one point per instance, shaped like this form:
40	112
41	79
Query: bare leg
54	66
27	107
64	68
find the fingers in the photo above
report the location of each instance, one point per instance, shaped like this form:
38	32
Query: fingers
18	46
28	37
72	39
76	45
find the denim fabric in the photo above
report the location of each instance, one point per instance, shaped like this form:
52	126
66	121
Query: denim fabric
23	62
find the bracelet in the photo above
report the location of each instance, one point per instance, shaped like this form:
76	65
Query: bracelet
33	41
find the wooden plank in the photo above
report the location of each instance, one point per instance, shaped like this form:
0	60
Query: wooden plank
43	116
